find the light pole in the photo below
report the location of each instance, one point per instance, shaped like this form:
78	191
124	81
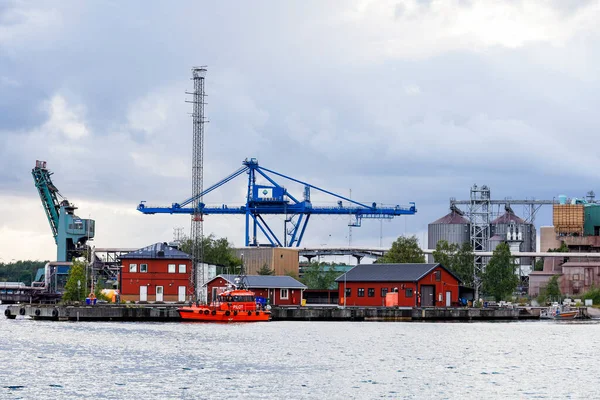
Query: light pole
345	288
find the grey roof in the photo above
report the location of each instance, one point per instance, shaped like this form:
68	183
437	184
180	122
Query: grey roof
507	218
452	218
157	250
266	281
389	272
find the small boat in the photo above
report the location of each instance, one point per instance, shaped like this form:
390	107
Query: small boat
229	306
556	311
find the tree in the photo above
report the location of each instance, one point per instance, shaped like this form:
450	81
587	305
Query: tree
539	265
320	276
445	253
217	252
293	274
464	264
20	271
499	278
459	259
265	270
76	286
553	289
404	250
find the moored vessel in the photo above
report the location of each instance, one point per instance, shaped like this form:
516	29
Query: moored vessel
229	306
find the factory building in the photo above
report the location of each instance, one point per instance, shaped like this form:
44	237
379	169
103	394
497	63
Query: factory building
576	224
157	272
418	285
281	260
278	290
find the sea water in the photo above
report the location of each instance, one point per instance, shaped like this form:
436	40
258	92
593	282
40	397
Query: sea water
299	360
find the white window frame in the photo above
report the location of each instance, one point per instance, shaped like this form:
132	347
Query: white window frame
144	270
174	268
287	294
180	268
132	267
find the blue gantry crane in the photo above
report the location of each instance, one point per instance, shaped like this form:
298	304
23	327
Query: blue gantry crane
274	199
70	232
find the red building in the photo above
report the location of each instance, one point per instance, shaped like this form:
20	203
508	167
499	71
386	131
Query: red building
418	285
279	290
156	273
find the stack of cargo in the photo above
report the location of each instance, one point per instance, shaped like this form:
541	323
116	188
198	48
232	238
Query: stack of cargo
568	219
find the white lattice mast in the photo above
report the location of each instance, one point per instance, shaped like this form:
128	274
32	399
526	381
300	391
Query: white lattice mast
197	275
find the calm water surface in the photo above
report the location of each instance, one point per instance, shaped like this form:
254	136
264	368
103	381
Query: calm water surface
299	360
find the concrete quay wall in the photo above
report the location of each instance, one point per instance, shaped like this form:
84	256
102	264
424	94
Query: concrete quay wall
94	313
401	314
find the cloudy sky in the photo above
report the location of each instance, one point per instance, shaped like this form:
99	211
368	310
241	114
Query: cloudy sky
398	101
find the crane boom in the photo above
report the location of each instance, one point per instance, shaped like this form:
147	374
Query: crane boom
48	194
69	231
274	199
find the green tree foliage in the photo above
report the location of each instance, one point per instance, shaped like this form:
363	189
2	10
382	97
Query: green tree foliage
217	252
76	286
593	294
404	250
459	259
320	276
499	278
20	271
539	265
562	249
553	289
265	270
293	274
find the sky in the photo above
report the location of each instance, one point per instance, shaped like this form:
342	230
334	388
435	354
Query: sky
395	101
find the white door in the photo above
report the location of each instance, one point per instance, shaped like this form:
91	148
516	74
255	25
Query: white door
448	299
143	293
181	293
159	293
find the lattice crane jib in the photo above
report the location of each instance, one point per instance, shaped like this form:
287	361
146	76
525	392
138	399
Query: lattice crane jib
271	198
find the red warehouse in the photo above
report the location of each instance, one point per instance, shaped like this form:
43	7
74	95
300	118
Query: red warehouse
418	285
279	290
156	273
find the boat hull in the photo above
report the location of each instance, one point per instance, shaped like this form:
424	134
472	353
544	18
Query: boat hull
201	314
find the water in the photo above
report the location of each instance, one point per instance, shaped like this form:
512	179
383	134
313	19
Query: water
298	360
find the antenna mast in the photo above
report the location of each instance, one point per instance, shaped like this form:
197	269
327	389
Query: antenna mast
197	275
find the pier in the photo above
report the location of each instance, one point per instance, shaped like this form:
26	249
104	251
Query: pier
168	313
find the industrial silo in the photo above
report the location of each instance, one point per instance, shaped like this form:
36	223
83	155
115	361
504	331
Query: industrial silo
514	229
453	228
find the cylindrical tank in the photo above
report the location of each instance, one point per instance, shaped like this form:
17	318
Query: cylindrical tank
509	223
453	228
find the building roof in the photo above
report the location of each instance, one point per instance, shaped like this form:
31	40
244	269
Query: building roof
451	218
157	250
507	218
265	281
390	272
581	263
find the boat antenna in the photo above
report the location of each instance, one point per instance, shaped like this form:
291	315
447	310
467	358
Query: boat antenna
241	278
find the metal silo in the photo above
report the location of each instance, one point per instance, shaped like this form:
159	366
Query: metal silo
453	228
520	231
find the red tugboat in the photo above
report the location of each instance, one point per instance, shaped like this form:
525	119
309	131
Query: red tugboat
230	306
233	305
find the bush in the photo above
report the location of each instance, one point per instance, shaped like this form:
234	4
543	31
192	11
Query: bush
594	294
